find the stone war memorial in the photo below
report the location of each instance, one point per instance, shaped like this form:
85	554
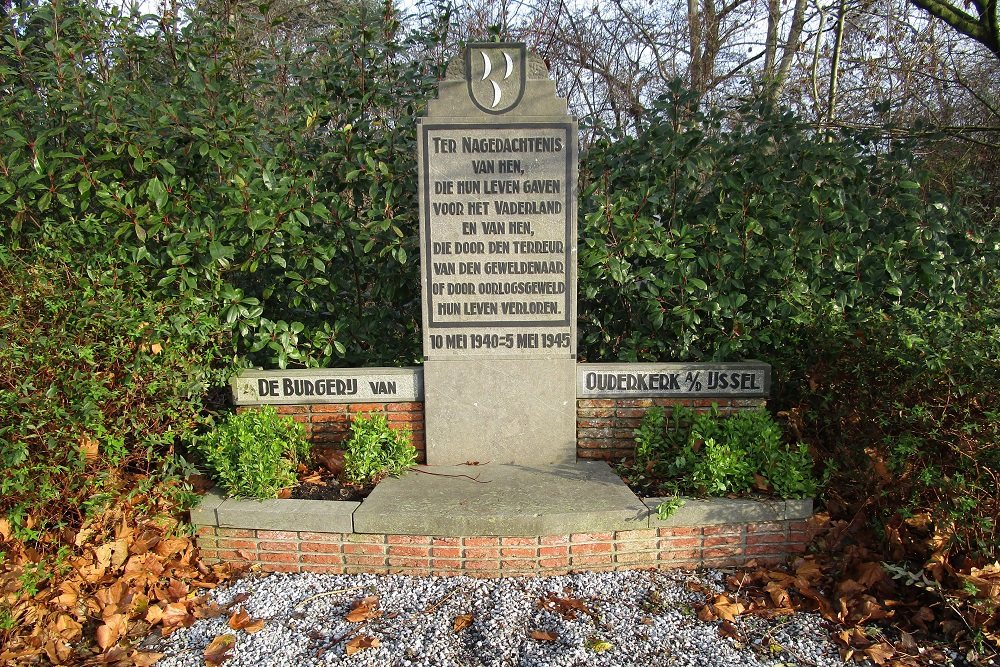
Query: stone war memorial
515	434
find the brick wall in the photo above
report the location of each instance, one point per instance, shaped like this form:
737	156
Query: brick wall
664	548
605	427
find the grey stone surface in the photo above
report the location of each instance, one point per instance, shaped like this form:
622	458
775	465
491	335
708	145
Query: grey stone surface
497	163
510	500
715	511
330	516
500	411
204	513
695	380
327	385
798	509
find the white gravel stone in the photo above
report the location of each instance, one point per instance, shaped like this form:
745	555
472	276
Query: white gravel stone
646	617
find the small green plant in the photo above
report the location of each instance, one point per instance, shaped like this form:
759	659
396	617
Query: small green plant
707	454
253	454
669	507
375	450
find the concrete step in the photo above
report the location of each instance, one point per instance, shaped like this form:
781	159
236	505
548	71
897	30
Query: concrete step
506	500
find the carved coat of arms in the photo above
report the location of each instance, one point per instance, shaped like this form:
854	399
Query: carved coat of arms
496	74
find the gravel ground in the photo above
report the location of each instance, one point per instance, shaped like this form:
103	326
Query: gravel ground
644	619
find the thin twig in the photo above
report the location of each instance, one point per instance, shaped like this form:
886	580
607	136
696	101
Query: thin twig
441	474
434	607
325	593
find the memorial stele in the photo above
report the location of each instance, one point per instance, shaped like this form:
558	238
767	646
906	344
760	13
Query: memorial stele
497	155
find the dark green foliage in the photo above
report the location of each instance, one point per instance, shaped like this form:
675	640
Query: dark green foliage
276	183
376	450
97	380
254	454
705	454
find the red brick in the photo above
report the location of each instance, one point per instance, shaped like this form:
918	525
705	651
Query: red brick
235	532
546	540
208	553
265	557
365	538
634	402
641	534
735	530
481	553
591	423
680	554
405	418
405	407
322	559
682	531
519	541
357	559
554	551
796	548
234	556
366	569
408	539
518	552
331	418
562	561
279	546
323	569
637	557
770	527
721	552
591	548
237	544
594	443
799	525
592	560
723	541
330	408
368	549
591	413
591	537
322	537
764	549
450	563
409	562
408	550
524	566
765	538
277	535
637	413
320	547
482	541
207	531
679	542
491	564
292	409
282	567
446	552
595	403
627	546
355	408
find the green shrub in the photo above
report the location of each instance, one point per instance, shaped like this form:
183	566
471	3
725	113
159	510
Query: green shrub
376	450
254	454
97	382
708	455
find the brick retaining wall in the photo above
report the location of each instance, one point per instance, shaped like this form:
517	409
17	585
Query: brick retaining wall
604	427
725	545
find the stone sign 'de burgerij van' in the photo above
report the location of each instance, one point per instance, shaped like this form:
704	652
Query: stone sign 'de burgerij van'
497	159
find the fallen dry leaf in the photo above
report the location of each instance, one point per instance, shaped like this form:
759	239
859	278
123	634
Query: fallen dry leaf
727	609
361	643
219	650
364	610
111	631
880	653
541	636
462	622
241	620
145	658
569	608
